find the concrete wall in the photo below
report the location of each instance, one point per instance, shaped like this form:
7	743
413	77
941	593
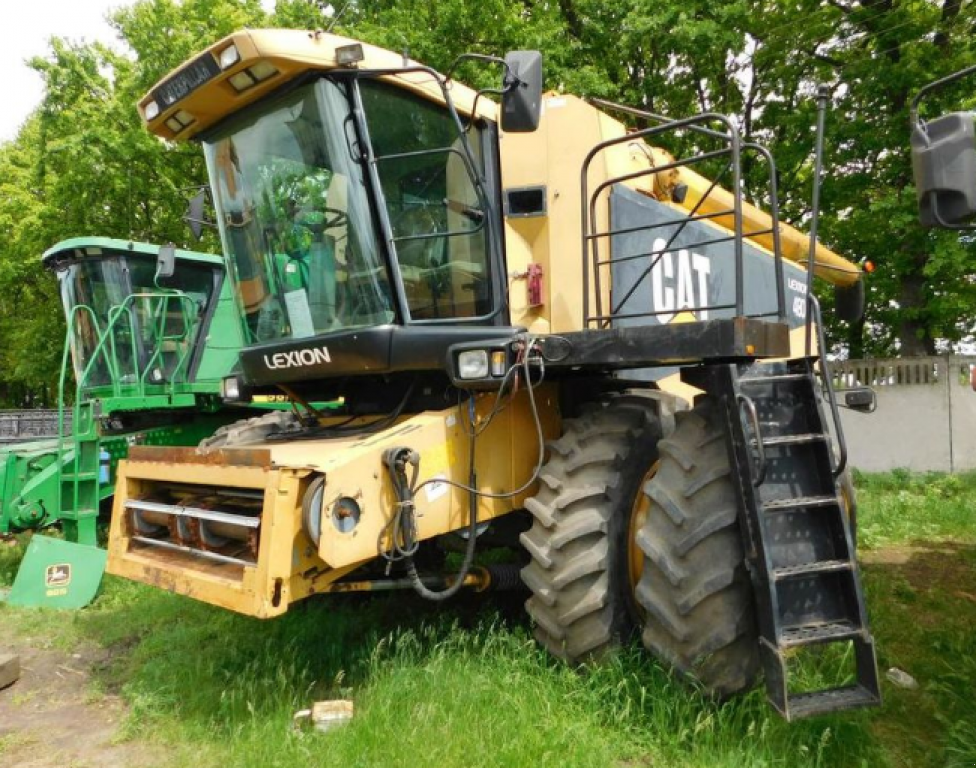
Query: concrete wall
926	416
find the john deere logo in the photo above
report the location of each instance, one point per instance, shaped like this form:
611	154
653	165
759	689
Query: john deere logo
57	575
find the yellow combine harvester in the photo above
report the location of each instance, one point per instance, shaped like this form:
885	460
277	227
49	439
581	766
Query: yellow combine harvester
516	302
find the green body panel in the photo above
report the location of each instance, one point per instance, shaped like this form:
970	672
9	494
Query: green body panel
58	574
29	472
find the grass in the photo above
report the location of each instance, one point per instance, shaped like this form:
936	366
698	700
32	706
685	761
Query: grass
464	685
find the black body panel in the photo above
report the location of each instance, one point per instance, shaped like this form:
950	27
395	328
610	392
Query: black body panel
362	352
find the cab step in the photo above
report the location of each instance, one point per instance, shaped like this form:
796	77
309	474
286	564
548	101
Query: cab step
832	700
797	536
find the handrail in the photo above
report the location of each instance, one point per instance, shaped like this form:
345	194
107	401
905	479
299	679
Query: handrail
745	400
829	387
592	236
105	351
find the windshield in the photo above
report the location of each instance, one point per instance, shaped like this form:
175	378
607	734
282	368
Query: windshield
123	328
295	218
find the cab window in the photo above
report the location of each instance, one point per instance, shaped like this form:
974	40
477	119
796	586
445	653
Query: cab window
440	233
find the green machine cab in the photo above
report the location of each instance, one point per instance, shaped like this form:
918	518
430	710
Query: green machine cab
144	356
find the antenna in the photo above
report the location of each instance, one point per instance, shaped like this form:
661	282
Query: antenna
823	96
330	12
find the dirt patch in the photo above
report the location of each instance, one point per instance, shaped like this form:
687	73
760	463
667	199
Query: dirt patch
54	717
948	567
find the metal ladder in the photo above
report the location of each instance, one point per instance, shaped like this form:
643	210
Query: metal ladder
798	539
79	476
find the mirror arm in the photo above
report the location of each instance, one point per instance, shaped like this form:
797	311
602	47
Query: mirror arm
943	224
485	58
934	86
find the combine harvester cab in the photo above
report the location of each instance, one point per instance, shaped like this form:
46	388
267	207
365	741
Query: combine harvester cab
548	335
145	353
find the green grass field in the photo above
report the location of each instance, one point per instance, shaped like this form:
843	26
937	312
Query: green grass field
465	684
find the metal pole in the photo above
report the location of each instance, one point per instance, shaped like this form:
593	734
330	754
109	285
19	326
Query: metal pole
823	94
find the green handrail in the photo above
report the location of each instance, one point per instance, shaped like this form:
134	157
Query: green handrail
105	350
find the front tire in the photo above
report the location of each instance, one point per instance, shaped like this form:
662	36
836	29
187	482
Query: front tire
581	541
695	588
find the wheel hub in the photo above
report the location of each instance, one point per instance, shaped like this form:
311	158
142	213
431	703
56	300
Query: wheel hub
638	517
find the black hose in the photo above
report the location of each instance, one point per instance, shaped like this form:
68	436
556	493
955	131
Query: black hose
402	528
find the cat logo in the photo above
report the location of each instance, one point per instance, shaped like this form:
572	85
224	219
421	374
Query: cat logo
57	575
680	282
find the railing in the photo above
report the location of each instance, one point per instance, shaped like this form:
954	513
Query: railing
902	371
144	374
145	352
28	424
730	150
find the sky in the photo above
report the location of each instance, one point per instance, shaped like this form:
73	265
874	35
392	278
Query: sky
25	32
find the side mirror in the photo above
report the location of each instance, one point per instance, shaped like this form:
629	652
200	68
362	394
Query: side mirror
166	261
522	100
849	301
194	213
944	164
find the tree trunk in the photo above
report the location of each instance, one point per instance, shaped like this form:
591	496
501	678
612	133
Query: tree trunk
913	332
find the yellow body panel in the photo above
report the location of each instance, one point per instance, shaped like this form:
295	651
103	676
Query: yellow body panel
288	566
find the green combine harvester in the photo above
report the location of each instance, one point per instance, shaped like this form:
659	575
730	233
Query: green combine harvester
146	347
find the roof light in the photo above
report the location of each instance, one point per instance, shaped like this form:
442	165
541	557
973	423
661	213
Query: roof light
151	110
179	121
251	76
229	57
349	55
242	80
262	71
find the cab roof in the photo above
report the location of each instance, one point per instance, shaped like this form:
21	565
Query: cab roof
201	92
77	248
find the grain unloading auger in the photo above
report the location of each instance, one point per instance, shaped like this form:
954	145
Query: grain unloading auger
512	301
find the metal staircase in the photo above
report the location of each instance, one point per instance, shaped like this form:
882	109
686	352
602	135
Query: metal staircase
797	534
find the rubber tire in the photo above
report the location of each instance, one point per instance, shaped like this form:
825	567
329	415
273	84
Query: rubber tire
248	431
848	497
582	603
695	590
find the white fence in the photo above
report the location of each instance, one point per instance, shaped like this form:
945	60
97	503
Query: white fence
926	416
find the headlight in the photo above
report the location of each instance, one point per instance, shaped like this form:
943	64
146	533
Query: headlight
473	364
230	389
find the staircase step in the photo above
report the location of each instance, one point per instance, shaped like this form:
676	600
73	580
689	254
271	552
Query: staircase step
810	437
80	476
801	502
833	700
818	633
821	566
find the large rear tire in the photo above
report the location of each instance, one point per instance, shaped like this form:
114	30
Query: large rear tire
694	588
581	540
